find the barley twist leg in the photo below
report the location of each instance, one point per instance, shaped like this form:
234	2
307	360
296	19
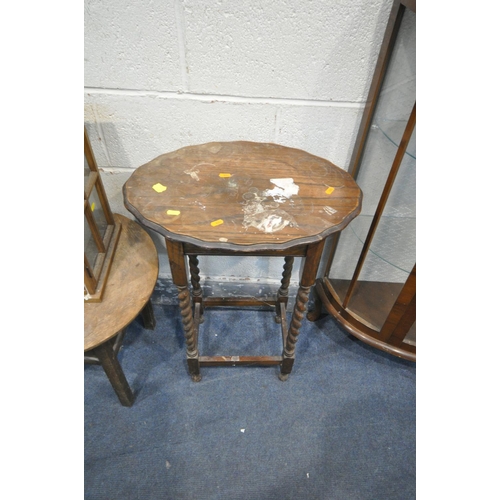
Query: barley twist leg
197	292
293	331
285	283
189	332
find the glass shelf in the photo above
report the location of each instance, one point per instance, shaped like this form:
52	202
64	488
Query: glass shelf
393	131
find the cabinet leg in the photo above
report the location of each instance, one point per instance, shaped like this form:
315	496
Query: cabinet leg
315	313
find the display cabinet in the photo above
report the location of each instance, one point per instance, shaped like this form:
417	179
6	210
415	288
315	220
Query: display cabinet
369	279
101	230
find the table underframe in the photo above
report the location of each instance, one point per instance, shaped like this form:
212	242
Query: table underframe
192	303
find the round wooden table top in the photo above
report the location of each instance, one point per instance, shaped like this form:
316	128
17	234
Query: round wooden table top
130	283
242	196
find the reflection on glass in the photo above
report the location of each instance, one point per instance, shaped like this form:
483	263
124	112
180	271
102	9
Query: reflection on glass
86	171
411	336
98	212
90	247
398	90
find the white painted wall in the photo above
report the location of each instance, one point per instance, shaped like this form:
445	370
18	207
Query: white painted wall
164	74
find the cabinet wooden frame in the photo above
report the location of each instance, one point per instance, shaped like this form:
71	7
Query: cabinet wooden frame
96	271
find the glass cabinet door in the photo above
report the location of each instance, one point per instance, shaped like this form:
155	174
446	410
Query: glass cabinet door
370	276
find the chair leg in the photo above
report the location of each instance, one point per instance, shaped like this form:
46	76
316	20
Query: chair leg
148	317
106	355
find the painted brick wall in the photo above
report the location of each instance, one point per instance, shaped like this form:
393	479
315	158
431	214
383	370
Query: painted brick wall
164	74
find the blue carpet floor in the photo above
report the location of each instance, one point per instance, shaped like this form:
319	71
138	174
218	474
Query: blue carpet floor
341	427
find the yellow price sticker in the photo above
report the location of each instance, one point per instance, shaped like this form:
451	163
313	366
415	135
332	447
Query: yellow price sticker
217	222
173	212
92	207
225	175
159	188
330	190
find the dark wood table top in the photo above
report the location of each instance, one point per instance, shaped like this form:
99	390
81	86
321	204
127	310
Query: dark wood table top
130	283
242	196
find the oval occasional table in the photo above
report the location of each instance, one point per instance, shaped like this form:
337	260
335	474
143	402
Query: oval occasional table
247	199
130	283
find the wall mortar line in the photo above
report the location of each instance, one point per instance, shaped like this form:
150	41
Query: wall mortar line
224	98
